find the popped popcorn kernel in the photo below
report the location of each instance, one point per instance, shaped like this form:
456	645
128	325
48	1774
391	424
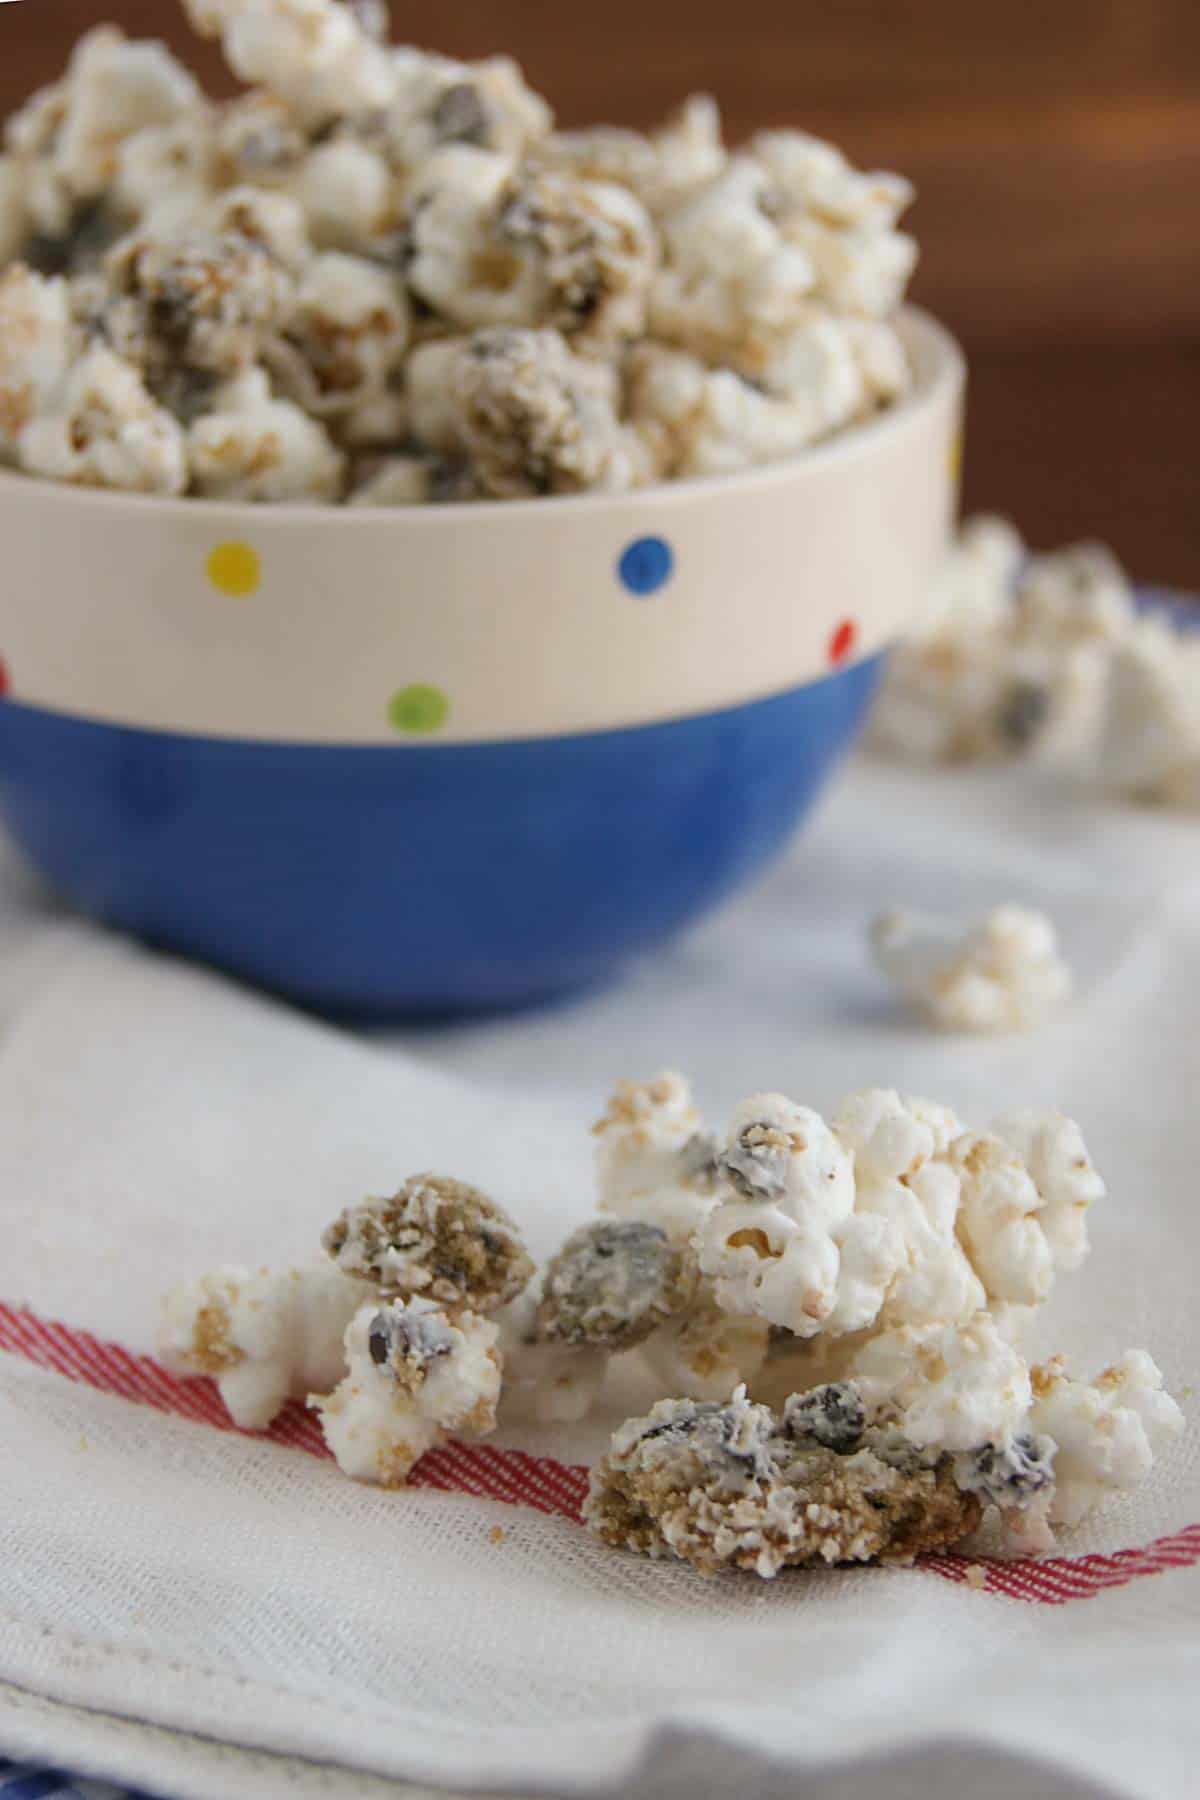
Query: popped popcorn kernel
415	1375
1004	973
265	1336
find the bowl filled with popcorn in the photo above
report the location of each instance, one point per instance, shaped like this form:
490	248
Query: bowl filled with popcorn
444	554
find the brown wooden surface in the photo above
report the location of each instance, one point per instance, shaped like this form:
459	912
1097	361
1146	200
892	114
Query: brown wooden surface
1056	147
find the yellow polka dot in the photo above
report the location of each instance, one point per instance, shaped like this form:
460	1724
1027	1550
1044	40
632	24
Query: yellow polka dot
954	454
234	568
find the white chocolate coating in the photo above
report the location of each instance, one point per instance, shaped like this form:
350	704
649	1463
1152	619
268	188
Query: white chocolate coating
36	346
1108	1432
1002	974
254	447
654	1156
1150	739
754	289
951	1387
550	1384
378	1427
265	1336
103	429
1046	657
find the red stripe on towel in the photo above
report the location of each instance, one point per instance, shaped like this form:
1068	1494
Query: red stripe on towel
518	1479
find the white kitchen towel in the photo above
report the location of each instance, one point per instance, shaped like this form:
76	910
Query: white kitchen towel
155	1120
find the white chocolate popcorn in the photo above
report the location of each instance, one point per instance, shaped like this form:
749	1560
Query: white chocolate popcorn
1052	1148
165	175
530	417
415	1375
814	177
952	1387
663	170
592	252
113	88
103	429
901	1175
548	1383
787	1154
456	198
349	329
188	313
396	481
1017	1478
271	222
491	246
704	1353
730	278
1107	1432
1004	973
948	694
258	142
36	345
1149	746
437	102
313	53
1077	595
1046	657
999	1220
855	270
774	1247
882	360
654	1158
265	1336
252	446
893	1139
193	235
348	194
705	422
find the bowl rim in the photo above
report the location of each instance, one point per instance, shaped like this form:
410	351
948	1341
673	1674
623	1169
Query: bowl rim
934	344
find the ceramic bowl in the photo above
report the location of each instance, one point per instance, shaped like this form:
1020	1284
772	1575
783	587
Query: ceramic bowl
441	759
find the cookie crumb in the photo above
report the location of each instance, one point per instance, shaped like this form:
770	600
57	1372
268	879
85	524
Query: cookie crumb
977	1576
496	1534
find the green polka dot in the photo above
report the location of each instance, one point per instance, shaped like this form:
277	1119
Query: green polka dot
418	708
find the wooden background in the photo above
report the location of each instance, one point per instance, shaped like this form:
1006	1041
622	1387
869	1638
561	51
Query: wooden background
1056	147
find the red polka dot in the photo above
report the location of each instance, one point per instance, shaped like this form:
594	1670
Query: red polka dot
843	640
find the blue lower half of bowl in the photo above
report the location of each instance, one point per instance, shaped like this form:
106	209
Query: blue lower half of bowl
400	880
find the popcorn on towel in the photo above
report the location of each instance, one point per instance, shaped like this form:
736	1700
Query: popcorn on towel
836	1310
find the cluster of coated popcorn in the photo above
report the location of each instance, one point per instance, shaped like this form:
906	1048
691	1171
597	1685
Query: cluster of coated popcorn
1048	658
834	1310
892	1256
1003	974
390	1339
381	276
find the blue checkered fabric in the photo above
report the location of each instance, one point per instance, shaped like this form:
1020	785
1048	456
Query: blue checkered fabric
28	1781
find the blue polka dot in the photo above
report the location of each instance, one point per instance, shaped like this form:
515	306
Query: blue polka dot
646	565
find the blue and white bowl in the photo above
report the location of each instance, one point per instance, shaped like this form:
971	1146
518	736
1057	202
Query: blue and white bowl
428	760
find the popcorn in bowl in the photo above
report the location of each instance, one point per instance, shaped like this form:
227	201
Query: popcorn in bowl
275	286
829	1334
